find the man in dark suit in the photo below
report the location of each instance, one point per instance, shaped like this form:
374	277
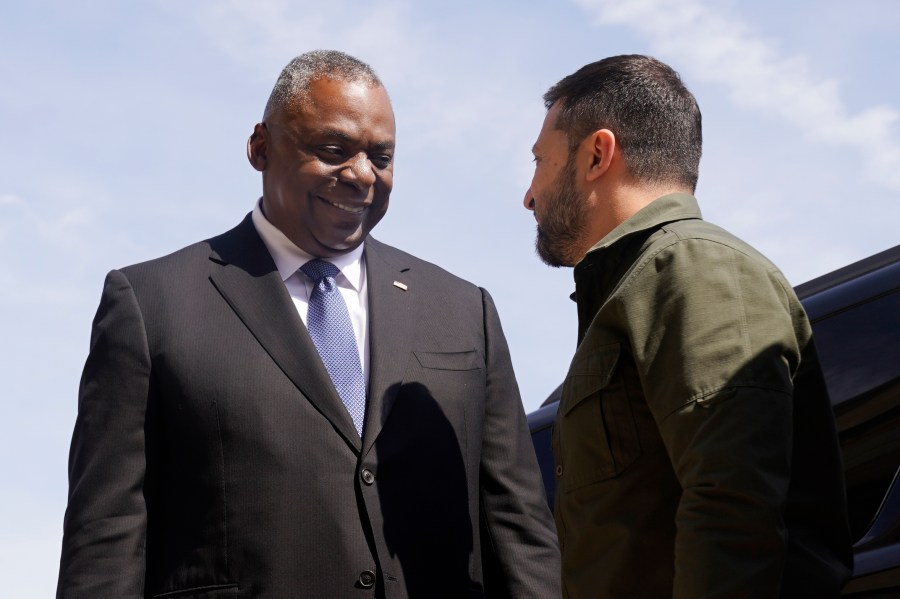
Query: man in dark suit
223	450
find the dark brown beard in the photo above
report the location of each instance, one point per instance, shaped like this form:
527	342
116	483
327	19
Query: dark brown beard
564	222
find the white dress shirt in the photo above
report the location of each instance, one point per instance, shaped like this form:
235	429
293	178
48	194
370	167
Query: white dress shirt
351	282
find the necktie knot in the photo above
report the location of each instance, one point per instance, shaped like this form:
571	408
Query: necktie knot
319	270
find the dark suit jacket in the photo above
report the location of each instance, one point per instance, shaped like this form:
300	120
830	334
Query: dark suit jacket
212	456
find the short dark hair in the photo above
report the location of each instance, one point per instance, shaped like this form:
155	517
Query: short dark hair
643	101
296	77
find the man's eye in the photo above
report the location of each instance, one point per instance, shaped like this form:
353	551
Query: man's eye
382	160
331	152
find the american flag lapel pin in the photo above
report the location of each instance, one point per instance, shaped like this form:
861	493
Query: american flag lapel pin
400	285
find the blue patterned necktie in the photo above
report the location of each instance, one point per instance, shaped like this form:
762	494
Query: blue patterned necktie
332	332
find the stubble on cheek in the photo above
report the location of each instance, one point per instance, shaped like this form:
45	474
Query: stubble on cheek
563	224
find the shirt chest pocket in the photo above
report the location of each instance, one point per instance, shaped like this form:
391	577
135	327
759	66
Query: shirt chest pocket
596	434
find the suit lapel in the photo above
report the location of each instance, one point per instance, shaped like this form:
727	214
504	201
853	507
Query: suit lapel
245	275
392	317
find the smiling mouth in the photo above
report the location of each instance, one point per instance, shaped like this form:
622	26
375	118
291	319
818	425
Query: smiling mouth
346	207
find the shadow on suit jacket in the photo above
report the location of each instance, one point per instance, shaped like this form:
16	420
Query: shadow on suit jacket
427	516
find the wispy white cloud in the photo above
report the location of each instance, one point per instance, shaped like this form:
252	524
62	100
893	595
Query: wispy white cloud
442	99
8	199
27	221
266	32
719	48
43	248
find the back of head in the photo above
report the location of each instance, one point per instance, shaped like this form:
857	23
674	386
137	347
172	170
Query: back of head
295	79
643	101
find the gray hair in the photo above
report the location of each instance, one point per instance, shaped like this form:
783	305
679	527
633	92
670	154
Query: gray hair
295	79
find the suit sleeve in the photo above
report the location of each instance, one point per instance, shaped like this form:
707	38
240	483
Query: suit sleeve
105	524
713	337
517	527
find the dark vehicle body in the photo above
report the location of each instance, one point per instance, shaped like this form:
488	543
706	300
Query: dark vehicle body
855	314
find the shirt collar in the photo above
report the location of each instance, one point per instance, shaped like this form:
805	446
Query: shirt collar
664	209
613	249
289	258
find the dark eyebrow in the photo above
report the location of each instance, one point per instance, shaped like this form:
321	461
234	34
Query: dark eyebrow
337	134
383	145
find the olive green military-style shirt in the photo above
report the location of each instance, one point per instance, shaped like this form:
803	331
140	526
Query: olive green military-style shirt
696	452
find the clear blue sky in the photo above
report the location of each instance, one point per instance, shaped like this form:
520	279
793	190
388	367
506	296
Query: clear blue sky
124	125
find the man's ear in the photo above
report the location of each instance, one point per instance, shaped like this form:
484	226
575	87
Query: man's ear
258	146
601	145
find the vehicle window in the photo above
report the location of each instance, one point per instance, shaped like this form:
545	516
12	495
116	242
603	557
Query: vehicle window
859	349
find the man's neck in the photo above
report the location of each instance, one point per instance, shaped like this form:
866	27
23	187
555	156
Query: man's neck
627	199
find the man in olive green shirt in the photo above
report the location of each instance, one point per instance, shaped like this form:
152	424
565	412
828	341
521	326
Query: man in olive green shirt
696	453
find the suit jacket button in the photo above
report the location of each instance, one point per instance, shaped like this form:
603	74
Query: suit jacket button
559	470
368	477
367	579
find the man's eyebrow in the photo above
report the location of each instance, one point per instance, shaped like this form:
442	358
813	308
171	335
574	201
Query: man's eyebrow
383	145
534	149
343	136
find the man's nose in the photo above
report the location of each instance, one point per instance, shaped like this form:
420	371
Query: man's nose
528	202
358	171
